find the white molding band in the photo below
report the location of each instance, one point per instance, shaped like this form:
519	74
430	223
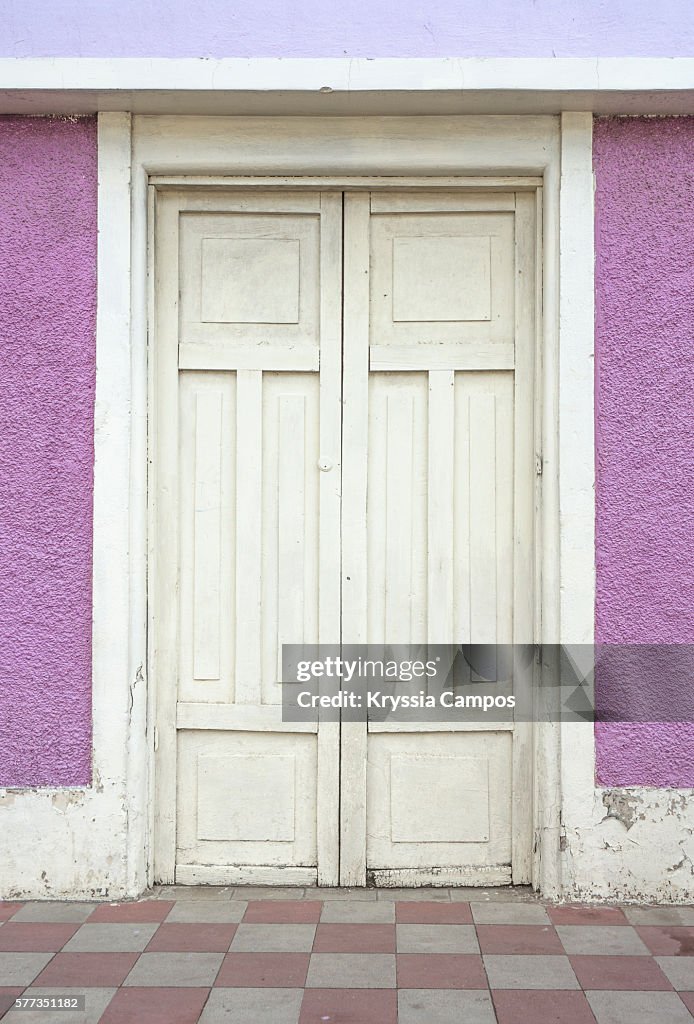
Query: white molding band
268	85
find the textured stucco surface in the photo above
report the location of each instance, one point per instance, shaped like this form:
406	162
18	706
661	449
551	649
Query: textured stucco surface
356	28
645	419
47	326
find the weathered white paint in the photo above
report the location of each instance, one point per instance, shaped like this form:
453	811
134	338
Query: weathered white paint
445	85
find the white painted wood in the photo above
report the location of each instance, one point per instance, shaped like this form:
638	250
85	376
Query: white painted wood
244	455
442	526
306	146
165	571
446	875
354	533
440	491
444	726
243	717
249	501
243	874
218	356
452	202
207	411
452	356
329	540
372	183
526	507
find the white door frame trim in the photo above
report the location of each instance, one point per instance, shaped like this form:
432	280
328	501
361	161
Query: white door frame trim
515	146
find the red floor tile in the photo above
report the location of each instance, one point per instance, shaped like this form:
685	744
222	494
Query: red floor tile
7	998
349	1006
574	914
518	938
8	908
621	973
143	912
263	970
354	938
191	938
88	970
413	912
155	1006
668	940
282	912
440	970
536	1007
688	1000
17	937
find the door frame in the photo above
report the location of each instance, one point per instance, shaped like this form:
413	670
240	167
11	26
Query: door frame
496	151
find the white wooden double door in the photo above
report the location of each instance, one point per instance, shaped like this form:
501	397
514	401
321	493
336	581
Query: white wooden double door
343	452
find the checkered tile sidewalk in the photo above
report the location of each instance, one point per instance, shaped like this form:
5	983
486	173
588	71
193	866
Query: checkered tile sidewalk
361	957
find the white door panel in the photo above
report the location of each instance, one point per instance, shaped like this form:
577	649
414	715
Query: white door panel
248	336
444	483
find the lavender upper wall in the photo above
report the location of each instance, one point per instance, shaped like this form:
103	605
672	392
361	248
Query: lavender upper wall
645	418
47	325
355	28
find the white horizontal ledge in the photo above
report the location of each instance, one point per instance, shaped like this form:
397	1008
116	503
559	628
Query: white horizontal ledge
348	74
161	85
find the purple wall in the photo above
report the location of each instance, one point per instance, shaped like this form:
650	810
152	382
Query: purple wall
356	28
645	418
47	325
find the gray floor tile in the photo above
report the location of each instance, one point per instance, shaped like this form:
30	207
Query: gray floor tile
351	970
436	938
495	894
435	895
18	969
660	915
273	938
679	970
95	1002
528	972
194	892
320	893
177	970
449	1006
357	912
208	911
601	940
638	1008
259	1005
70	913
110	938
509	913
258	892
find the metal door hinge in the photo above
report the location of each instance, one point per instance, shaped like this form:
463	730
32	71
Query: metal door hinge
538	465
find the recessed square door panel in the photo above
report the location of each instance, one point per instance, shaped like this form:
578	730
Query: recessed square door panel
438	799
441	278
249	278
250	798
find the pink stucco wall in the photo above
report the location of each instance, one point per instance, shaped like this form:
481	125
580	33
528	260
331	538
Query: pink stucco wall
645	418
47	324
353	28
